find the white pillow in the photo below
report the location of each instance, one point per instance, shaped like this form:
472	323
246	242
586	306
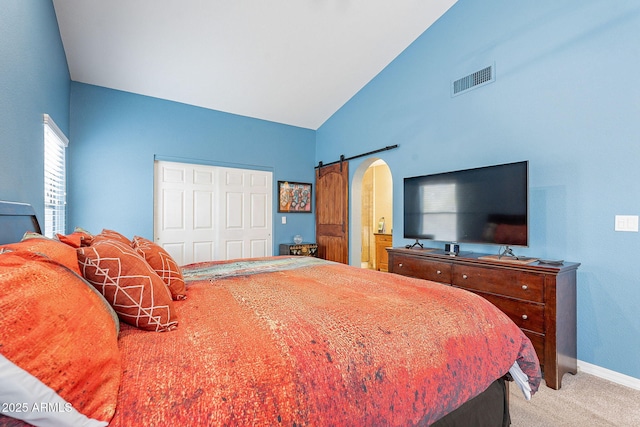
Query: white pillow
26	398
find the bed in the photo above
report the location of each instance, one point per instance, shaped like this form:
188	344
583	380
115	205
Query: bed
271	341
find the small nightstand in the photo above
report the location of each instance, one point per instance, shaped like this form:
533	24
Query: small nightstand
302	249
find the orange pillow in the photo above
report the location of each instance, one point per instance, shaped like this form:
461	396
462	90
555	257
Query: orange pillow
78	238
74	239
87	237
163	264
112	235
57	251
129	284
52	322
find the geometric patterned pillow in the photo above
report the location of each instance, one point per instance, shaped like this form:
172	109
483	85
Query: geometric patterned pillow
51	327
129	284
114	235
163	264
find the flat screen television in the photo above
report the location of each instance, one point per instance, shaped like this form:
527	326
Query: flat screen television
486	205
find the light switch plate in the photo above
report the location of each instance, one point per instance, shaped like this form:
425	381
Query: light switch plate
626	223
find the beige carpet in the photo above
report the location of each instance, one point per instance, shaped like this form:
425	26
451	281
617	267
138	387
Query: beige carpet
583	400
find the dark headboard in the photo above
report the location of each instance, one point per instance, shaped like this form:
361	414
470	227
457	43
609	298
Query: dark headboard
15	220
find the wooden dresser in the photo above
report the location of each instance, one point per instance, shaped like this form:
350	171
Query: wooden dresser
539	298
382	242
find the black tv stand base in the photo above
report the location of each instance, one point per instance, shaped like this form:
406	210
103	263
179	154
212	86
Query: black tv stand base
417	243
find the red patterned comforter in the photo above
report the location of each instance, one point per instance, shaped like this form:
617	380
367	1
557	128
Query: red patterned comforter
300	341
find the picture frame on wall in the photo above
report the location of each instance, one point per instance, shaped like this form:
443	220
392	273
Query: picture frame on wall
294	197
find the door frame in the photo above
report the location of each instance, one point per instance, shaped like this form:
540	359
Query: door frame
355	211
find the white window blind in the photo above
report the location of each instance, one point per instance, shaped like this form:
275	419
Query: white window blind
55	186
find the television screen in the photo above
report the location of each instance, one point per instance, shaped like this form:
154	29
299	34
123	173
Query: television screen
481	205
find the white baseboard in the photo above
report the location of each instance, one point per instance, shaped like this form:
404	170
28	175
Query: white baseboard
609	375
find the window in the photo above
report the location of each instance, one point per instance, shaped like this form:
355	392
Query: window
55	186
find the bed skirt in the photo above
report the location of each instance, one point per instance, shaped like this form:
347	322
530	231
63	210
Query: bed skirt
489	409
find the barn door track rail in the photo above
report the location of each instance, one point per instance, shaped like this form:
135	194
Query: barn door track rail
343	159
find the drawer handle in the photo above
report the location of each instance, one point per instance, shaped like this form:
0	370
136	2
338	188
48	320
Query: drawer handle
525	287
464	276
525	317
438	272
400	265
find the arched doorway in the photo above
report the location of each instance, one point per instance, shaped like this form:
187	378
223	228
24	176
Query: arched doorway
371	200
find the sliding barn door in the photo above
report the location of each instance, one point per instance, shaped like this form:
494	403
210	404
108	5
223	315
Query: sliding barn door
332	212
204	213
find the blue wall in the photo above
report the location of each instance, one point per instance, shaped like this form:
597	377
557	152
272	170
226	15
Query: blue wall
565	99
115	137
34	80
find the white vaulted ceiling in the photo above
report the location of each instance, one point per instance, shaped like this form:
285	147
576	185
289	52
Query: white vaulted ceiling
289	61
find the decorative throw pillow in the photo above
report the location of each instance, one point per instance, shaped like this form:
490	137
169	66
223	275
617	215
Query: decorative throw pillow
50	327
129	284
112	235
87	238
74	239
163	264
57	251
78	238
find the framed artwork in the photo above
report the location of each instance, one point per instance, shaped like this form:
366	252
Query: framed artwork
294	197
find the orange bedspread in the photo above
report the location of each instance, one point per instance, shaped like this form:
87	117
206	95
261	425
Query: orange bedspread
300	341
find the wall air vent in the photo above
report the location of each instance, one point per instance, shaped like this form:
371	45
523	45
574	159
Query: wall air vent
479	78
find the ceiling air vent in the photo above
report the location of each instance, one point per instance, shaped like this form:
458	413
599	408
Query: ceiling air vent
479	78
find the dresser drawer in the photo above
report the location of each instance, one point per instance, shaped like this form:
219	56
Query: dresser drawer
527	315
383	238
512	283
538	344
434	270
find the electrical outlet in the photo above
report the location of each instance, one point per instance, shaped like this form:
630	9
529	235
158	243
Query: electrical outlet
284	219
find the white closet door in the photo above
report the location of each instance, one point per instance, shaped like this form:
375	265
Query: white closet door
204	213
246	213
